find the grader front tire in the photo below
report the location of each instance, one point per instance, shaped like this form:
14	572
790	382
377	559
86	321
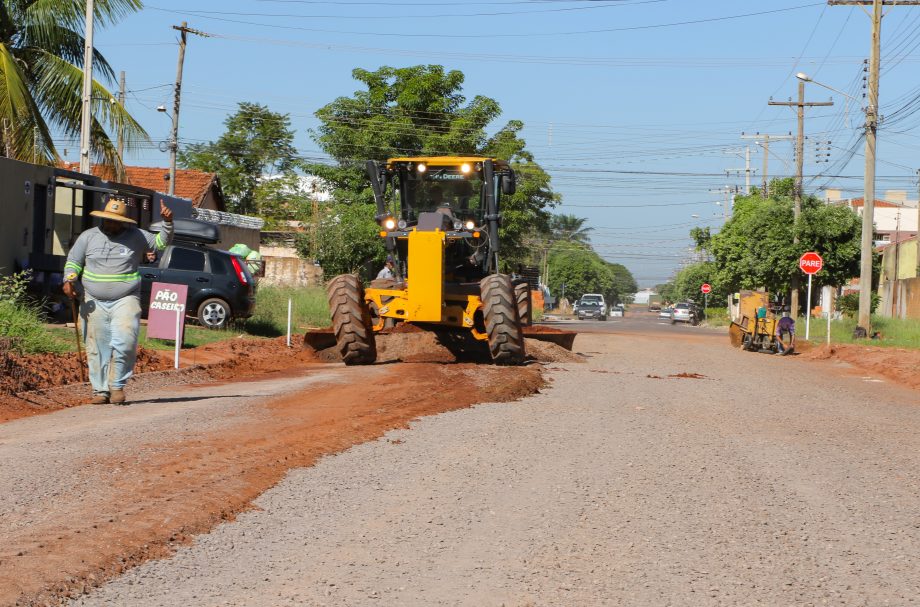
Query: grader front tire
351	320
503	324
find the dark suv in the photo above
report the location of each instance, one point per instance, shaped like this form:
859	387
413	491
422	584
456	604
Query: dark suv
220	286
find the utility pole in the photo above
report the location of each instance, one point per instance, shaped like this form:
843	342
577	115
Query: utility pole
746	170
764	142
800	106
86	120
868	223
184	30
121	101
729	192
918	222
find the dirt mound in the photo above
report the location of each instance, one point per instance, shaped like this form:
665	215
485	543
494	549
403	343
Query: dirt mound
20	373
547	352
897	364
414	344
537	329
35	384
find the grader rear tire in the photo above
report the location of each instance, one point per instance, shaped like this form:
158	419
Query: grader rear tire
503	325
524	303
351	320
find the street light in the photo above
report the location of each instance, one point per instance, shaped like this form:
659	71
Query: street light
868	224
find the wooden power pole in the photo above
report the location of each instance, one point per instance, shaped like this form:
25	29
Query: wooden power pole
121	129
86	119
800	106
184	31
868	223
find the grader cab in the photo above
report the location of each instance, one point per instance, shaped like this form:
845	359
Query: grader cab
439	218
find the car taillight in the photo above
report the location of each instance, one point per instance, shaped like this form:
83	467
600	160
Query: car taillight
240	273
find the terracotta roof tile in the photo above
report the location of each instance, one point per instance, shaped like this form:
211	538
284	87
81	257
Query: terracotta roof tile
858	202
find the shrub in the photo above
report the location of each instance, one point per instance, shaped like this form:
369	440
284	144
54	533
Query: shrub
22	330
849	304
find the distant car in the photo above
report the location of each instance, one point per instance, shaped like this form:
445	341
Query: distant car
685	312
664	314
618	310
220	286
597	298
591	310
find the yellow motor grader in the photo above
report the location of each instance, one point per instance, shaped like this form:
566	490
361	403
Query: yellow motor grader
439	217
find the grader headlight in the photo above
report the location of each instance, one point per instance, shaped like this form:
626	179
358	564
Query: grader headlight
389	224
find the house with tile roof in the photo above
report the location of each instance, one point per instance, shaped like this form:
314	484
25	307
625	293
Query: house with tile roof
202	188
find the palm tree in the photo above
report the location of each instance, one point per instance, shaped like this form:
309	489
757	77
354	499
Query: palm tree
570	228
41	80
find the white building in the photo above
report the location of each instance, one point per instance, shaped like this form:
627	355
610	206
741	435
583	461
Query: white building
642	296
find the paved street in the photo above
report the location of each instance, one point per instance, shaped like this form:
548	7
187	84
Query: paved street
668	469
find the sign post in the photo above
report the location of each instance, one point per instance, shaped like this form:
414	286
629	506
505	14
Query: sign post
166	319
705	289
810	263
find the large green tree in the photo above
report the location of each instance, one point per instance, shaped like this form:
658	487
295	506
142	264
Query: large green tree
755	247
421	110
624	283
256	148
577	269
41	80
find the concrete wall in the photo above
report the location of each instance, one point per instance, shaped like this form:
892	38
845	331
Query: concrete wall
18	181
889	219
899	261
284	268
900	298
231	235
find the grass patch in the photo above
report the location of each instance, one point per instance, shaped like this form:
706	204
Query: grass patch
22	330
893	332
309	308
717	317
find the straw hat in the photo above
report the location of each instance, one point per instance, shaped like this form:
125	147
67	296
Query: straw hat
116	210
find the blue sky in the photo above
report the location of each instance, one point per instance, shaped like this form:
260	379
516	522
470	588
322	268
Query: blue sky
636	107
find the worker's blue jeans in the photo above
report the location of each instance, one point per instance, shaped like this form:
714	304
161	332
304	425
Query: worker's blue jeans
110	330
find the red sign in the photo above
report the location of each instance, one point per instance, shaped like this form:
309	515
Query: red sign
706	288
167	306
811	263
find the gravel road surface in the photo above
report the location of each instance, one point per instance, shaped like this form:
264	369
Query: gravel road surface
667	470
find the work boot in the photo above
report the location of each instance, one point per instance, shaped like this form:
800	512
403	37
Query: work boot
99	399
117	397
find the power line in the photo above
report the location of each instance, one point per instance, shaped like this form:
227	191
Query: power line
499	35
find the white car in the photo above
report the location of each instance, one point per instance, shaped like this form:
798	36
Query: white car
596	298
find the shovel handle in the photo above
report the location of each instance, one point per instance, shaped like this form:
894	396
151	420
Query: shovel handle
76	329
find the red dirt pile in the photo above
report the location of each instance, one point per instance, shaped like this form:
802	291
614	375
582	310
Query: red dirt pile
22	373
30	385
897	364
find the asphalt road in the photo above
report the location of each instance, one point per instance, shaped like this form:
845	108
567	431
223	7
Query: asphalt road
668	469
634	322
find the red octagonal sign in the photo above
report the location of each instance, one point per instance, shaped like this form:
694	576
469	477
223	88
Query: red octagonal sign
706	288
811	263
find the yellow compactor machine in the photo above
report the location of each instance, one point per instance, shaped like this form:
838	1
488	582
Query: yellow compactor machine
439	217
750	331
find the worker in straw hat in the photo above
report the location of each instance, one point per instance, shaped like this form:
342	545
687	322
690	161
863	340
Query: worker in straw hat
106	261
